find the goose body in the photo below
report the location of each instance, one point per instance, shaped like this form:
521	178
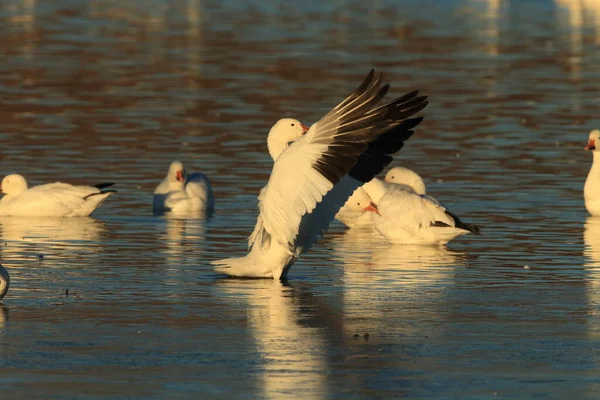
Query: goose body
182	193
403	216
50	200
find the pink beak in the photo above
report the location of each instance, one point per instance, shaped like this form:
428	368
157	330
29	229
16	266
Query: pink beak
179	176
304	128
372	207
591	145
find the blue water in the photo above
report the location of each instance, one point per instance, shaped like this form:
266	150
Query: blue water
125	304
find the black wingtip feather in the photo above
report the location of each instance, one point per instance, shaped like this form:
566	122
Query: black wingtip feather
368	135
103	185
397	113
469	227
462	225
97	194
411	123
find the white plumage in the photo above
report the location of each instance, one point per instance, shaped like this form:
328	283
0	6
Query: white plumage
403	216
181	193
405	176
309	181
50	200
354	213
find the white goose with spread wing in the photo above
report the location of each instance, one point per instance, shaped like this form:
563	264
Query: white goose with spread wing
316	170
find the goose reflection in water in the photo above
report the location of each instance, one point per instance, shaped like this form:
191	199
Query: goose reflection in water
183	244
378	277
591	252
286	326
365	248
56	236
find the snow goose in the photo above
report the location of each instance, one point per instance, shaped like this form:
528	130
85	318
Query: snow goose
316	170
403	216
50	200
354	215
405	176
591	190
181	193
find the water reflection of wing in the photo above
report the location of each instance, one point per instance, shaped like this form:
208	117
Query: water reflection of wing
292	353
56	236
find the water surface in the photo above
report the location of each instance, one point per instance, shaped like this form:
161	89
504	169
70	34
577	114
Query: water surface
126	304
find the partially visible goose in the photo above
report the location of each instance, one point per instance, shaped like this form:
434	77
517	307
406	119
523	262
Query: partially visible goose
355	212
591	190
316	170
181	193
354	215
50	200
403	216
405	176
4	282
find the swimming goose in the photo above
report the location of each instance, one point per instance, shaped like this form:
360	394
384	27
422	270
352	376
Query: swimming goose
181	193
403	216
50	200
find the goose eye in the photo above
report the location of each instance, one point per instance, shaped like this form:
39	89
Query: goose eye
293	124
358	203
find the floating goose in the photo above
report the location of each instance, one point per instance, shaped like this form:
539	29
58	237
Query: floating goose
316	170
50	200
354	214
403	216
405	176
591	190
181	193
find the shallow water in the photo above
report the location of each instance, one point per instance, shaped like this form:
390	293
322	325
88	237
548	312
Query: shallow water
126	304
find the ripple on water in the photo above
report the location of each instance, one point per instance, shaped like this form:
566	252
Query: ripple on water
126	303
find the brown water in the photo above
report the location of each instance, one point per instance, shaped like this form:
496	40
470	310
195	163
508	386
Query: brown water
106	90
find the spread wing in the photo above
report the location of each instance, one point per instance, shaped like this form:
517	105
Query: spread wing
356	136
